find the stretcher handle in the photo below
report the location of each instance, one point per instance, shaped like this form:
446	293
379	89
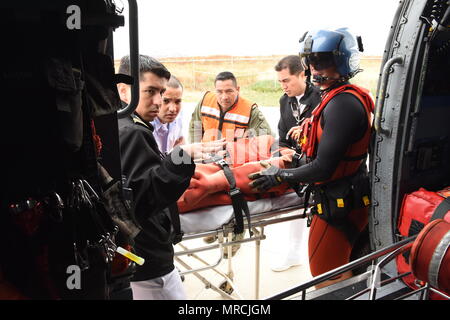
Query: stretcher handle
134	60
382	94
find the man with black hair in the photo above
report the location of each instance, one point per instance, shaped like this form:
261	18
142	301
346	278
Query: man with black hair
157	181
226	114
299	98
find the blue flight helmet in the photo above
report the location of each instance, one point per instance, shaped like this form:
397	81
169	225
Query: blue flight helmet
340	44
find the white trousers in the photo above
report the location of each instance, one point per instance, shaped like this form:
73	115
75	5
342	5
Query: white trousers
167	287
298	233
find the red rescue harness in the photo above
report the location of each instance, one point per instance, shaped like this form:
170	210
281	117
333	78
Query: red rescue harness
311	131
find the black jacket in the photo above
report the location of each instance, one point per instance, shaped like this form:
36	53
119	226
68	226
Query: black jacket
157	182
311	99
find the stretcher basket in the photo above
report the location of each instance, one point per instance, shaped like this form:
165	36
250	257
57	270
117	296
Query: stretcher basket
227	288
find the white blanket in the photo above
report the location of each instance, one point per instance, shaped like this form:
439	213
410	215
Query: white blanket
212	218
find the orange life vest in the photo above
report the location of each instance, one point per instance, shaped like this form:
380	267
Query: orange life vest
311	132
233	124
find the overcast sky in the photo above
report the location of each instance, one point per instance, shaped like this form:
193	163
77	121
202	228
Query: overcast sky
175	28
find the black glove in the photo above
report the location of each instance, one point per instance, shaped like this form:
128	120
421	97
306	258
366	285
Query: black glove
266	179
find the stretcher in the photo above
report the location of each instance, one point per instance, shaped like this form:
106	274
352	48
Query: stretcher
219	221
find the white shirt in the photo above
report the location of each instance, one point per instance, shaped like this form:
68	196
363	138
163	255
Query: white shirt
301	106
166	134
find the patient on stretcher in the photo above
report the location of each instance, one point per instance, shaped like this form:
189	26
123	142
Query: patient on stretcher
209	185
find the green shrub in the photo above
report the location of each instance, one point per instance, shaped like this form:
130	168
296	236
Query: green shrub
266	86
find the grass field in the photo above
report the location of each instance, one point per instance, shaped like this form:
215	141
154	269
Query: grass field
256	75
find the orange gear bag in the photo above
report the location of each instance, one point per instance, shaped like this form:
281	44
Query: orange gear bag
418	209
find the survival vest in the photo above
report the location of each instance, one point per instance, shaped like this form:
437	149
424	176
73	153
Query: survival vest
311	132
231	124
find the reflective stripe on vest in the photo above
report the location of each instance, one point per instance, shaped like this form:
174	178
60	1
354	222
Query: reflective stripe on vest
312	132
234	121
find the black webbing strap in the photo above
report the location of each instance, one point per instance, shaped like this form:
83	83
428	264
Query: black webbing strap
175	219
296	163
306	192
441	210
348	228
237	199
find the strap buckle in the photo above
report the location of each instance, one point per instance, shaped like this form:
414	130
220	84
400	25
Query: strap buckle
234	192
221	162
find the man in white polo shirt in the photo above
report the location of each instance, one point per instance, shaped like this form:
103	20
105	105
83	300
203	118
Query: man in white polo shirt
168	131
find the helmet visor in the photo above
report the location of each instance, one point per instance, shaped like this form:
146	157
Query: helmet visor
320	60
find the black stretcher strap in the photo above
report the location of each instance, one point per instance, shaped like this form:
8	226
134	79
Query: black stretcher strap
237	199
441	210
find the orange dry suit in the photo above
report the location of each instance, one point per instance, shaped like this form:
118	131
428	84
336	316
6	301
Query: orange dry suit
232	124
337	222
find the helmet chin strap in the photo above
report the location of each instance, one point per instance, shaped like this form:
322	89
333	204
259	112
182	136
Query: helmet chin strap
321	79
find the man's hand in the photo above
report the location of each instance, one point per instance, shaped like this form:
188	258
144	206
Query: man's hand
265	179
294	133
179	141
205	150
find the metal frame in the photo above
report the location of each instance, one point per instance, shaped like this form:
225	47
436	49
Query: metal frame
224	234
134	60
386	255
382	95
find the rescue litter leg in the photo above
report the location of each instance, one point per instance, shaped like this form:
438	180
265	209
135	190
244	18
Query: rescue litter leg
229	250
258	259
226	284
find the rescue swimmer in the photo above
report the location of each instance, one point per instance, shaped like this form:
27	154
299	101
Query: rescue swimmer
334	143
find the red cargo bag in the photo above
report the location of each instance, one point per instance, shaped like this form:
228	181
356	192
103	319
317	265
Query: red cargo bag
430	255
418	209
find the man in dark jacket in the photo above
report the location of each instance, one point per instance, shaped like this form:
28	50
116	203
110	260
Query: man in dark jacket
299	99
157	182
